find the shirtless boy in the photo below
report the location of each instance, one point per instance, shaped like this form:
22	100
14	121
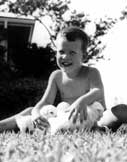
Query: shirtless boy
79	85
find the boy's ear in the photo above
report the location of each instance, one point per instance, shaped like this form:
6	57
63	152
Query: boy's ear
84	57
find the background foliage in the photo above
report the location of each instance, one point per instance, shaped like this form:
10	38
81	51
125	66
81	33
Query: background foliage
56	10
61	15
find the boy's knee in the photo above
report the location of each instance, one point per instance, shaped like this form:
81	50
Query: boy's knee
27	111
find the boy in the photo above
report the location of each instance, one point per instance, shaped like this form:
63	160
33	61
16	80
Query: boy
79	85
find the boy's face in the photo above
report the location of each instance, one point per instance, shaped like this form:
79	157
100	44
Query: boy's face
69	55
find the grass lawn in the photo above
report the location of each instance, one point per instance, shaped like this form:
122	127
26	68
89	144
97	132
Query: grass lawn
68	147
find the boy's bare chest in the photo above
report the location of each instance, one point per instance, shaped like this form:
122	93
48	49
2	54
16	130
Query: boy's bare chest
74	88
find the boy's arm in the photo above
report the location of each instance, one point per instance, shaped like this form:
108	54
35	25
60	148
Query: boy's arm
96	93
48	97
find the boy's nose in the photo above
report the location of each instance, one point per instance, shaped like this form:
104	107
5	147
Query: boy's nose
65	56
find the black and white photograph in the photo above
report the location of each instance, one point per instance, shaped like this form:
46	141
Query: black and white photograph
63	83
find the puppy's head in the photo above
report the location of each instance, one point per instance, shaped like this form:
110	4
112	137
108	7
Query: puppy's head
48	111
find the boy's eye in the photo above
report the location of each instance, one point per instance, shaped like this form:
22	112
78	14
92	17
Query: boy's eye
72	53
61	52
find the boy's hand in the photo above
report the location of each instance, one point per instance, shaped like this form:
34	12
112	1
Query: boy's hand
41	123
78	112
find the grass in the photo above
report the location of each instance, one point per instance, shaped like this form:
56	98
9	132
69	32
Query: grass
69	147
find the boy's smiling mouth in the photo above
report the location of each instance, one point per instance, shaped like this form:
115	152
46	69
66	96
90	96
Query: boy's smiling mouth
66	64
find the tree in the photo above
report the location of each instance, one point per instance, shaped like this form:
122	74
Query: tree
56	10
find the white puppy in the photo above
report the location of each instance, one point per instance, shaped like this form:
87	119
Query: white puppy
58	117
24	123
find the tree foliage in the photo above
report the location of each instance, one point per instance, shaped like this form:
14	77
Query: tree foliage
56	9
124	13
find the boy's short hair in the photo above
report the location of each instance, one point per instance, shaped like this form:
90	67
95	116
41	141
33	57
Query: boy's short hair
75	33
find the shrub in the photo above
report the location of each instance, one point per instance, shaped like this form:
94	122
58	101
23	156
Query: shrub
34	60
19	94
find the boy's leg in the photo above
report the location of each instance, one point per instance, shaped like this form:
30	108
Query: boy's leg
9	124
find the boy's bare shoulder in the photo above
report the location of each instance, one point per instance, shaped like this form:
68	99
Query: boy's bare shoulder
90	70
56	74
93	70
94	74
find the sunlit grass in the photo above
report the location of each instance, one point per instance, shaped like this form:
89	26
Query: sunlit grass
69	147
